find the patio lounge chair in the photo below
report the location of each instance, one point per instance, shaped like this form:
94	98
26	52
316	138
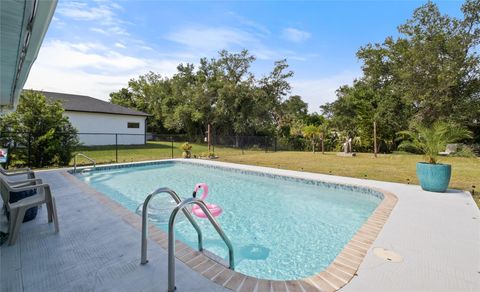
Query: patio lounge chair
17	210
451	148
16	175
17	172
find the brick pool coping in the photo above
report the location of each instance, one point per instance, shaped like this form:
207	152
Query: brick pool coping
339	273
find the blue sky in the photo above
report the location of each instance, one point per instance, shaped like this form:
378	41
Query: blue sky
95	47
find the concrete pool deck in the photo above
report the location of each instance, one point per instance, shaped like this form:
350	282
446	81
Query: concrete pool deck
436	235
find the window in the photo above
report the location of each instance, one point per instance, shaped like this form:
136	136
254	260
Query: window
133	125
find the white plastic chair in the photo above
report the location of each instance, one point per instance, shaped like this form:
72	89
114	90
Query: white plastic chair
450	149
17	210
17	172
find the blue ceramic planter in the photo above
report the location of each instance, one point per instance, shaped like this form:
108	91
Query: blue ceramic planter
434	177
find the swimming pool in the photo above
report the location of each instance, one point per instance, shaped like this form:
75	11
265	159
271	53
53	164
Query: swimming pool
282	228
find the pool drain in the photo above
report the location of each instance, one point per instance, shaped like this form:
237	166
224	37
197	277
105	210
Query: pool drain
387	255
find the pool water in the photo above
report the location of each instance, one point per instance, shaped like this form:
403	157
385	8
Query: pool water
281	228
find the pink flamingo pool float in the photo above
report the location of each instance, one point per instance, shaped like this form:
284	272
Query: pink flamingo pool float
214	209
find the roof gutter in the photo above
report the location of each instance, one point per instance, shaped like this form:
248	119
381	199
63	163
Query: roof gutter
40	17
108	113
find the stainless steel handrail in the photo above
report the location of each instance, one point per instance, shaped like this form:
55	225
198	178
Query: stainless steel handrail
84	156
171	237
145	221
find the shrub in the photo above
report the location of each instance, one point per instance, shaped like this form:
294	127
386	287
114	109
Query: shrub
186	146
37	133
464	151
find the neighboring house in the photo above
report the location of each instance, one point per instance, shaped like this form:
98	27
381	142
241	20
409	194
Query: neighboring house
102	123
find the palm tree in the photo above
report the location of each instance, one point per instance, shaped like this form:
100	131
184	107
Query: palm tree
432	140
324	129
311	132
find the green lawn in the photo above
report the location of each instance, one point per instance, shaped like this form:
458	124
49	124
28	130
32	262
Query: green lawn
390	167
149	151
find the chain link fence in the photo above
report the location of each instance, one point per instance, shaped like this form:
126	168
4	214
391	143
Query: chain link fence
123	147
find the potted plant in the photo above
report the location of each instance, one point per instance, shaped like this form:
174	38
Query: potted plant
433	176
187	153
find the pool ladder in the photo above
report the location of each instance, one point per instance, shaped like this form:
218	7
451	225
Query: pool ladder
86	157
181	205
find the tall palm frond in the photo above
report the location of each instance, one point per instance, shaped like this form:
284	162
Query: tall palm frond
432	140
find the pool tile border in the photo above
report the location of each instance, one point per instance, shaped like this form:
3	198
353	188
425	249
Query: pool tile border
339	273
371	192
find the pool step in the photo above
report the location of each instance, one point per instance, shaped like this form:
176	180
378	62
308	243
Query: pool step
215	258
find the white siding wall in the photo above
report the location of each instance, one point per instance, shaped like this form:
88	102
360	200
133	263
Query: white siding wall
107	123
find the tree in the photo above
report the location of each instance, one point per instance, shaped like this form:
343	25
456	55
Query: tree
430	72
291	110
222	92
146	93
38	124
434	66
295	107
275	87
314	119
440	73
179	108
324	129
123	97
237	98
311	132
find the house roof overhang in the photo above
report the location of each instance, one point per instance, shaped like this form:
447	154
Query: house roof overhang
23	25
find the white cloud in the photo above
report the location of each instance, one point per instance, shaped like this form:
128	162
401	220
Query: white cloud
147	48
103	14
82	47
118	30
295	35
207	41
90	68
120	45
57	22
97	68
82	11
116	6
109	31
258	28
99	30
317	92
211	38
91	56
